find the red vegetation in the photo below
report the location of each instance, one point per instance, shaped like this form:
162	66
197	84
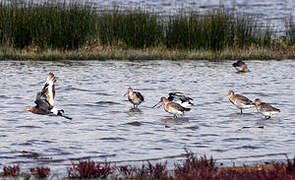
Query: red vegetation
192	168
89	169
40	172
11	170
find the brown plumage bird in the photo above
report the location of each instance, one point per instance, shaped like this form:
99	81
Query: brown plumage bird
241	66
265	109
239	101
134	97
172	107
45	99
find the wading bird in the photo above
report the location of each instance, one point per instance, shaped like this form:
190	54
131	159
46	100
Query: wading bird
240	101
265	109
134	97
172	107
45	99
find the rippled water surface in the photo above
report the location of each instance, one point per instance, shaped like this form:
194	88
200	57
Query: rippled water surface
103	126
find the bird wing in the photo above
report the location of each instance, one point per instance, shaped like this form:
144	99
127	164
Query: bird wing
178	106
180	96
268	107
140	96
243	99
48	89
42	103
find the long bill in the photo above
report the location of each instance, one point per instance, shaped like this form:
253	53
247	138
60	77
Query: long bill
157	104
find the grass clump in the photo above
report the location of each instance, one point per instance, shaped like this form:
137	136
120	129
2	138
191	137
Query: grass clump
215	30
89	169
40	172
55	26
133	28
11	171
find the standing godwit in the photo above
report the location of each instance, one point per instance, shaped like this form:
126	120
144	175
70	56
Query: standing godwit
266	109
240	101
172	107
134	97
45	99
181	99
241	66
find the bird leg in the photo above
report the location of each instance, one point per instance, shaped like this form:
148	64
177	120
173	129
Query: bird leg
241	111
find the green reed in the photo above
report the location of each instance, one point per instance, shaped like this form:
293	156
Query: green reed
134	28
290	30
58	26
215	30
72	26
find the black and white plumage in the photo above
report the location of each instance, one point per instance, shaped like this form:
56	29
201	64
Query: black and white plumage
45	100
181	99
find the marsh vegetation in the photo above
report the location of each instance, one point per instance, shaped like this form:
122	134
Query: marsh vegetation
74	30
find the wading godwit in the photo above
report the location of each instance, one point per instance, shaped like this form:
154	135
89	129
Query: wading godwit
45	99
172	107
134	97
241	66
181	99
266	109
240	101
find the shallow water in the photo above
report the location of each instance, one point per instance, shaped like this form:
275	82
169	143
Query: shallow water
104	127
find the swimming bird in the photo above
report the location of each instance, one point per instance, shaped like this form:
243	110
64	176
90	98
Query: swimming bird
240	101
172	107
265	109
241	66
181	99
134	97
45	99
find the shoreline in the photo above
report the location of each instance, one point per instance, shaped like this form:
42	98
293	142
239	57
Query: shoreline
191	167
146	54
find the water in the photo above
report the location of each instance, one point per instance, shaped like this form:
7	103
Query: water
103	127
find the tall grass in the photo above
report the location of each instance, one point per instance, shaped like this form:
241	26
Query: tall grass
290	30
215	30
71	26
58	26
135	28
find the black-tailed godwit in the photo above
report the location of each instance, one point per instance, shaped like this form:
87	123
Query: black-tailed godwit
172	107
266	109
240	101
45	99
134	97
181	99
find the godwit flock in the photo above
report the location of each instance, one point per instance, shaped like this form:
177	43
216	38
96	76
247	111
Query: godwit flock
176	103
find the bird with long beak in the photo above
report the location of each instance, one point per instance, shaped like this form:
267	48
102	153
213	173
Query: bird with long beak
265	109
172	107
239	101
45	99
181	99
134	97
241	66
